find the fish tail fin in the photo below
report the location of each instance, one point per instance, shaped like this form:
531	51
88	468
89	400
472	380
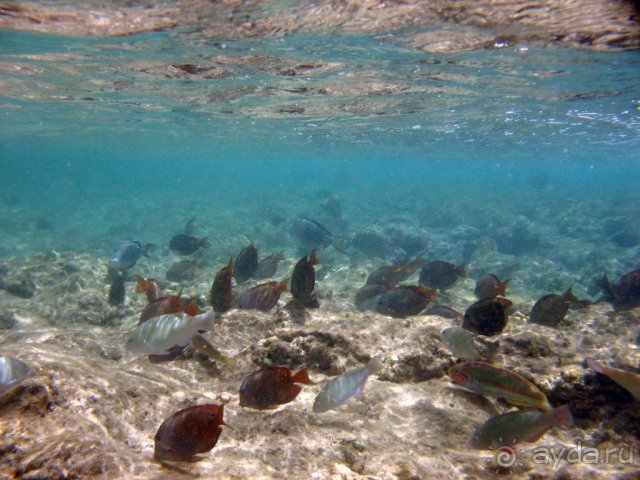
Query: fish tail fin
375	365
230	271
148	248
595	366
562	416
206	321
192	309
313	260
605	285
282	284
302	377
568	296
141	284
502	289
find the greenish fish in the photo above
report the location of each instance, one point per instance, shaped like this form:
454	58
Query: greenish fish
158	334
344	386
493	381
13	371
460	342
627	380
518	426
204	347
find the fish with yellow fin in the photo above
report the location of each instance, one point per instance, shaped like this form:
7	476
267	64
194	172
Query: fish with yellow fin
628	380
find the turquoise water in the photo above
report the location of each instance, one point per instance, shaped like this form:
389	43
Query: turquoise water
516	160
105	140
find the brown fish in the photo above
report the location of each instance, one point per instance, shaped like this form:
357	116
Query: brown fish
487	317
625	294
188	432
246	263
182	244
391	275
303	281
183	270
489	286
366	293
404	301
150	287
268	266
271	387
221	289
440	275
168	304
551	309
264	296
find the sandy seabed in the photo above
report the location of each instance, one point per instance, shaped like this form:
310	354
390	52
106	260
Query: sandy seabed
90	409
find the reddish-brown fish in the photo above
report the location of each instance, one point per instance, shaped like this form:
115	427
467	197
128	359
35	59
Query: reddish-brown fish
150	287
303	281
264	296
404	301
221	289
270	387
168	304
188	432
390	275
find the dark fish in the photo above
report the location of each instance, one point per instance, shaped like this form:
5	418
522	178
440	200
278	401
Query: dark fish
625	294
221	289
246	263
551	309
489	286
161	306
117	290
25	288
271	387
127	254
404	301
188	432
150	287
391	275
264	296
268	266
441	275
303	281
487	317
444	312
309	234
518	427
182	244
183	270
368	292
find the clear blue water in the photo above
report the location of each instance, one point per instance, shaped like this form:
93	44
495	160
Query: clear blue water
102	140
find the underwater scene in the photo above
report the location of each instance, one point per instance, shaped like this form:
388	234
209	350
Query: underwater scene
320	240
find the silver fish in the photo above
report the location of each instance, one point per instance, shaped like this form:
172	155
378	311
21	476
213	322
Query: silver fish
158	334
344	386
12	372
460	342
